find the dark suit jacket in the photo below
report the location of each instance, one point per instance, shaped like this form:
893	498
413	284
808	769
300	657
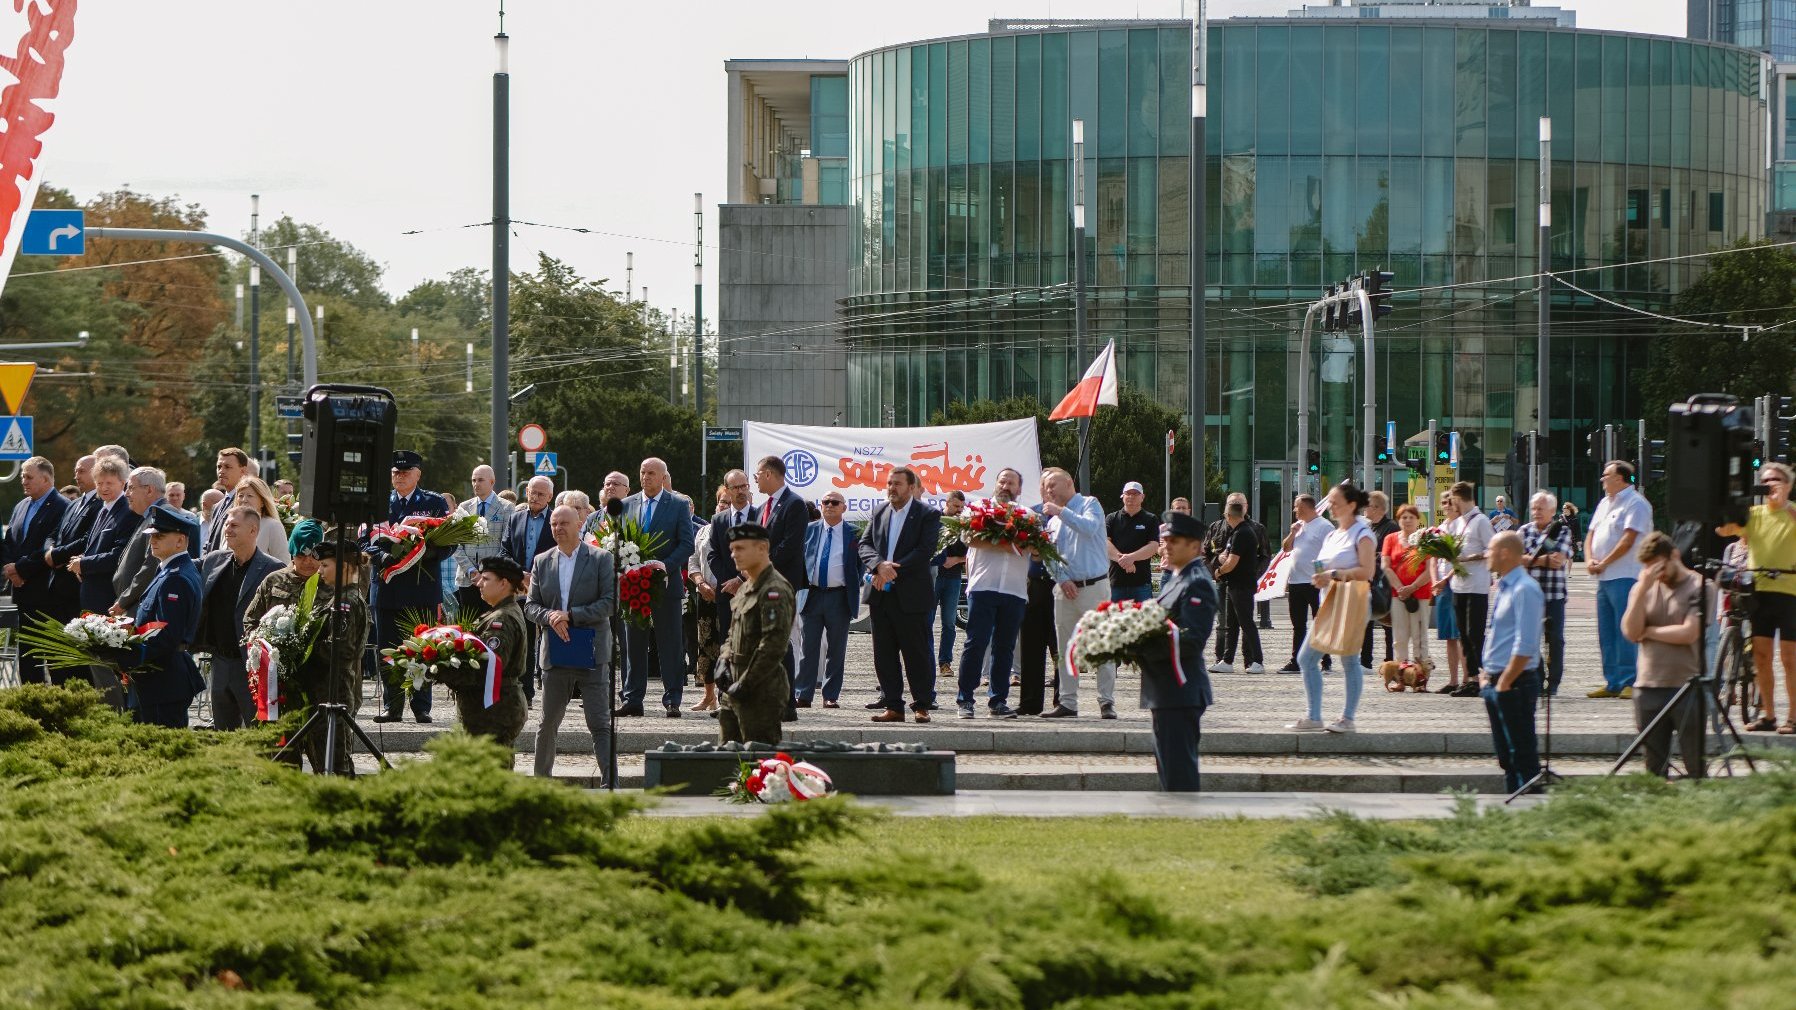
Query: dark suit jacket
786	527
24	547
421	587
851	550
70	541
212	568
516	528
106	544
914	589
673	521
723	566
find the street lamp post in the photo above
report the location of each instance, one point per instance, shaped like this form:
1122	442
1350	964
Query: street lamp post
1542	474
1199	189
500	459
1079	302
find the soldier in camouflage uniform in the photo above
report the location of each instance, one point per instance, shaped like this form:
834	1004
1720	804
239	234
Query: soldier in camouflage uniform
504	631
754	693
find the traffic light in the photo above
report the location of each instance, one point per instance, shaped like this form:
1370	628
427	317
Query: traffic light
1443	447
1314	457
1329	318
1758	453
1354	317
1779	427
1378	291
1383	454
1654	459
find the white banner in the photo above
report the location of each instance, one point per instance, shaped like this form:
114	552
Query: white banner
856	461
43	30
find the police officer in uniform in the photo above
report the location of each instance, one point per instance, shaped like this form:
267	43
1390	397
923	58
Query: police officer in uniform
504	631
419	588
754	691
1189	597
164	676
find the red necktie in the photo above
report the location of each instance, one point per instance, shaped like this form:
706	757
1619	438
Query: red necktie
767	512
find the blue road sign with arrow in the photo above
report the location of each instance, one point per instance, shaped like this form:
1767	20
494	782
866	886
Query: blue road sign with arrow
54	233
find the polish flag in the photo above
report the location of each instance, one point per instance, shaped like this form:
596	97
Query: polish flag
1097	387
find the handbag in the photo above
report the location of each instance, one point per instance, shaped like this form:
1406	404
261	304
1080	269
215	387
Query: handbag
1379	597
1340	625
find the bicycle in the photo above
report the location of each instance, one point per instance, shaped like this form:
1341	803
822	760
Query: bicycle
1736	681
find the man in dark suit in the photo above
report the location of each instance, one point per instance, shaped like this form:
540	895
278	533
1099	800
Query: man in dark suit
69	541
527	532
28	536
419	587
1177	695
659	510
572	588
786	516
231	467
136	567
120	513
901	538
229	578
725	579
832	552
164	677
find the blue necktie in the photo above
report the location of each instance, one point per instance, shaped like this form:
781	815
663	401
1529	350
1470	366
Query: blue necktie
823	563
483	510
648	512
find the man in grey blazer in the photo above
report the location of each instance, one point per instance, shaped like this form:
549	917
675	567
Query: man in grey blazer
572	587
660	511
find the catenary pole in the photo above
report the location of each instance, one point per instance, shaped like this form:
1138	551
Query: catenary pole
1080	318
1197	195
500	459
1542	475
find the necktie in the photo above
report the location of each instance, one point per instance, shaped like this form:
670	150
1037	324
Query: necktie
767	511
483	510
648	512
823	562
735	517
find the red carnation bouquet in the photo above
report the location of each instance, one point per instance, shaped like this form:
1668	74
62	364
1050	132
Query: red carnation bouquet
406	541
990	521
638	588
446	653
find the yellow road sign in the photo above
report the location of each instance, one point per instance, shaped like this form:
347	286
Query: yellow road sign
15	379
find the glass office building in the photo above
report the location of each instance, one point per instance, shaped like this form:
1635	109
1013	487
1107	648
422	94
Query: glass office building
1334	146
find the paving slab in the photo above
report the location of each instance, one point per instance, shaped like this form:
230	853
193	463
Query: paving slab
1185	806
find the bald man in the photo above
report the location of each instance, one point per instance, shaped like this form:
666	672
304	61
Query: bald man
661	511
484	501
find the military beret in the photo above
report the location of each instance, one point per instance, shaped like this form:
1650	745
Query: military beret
503	567
163	518
1179	524
406	459
749	531
307	534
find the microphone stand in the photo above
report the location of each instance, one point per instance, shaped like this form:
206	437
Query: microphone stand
1548	541
614	511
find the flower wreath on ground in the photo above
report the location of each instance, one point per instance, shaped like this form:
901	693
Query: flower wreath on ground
777	779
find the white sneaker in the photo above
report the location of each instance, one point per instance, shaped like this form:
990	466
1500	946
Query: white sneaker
1256	668
1221	667
1306	726
1341	726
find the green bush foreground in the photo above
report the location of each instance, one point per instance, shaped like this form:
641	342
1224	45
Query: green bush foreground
154	868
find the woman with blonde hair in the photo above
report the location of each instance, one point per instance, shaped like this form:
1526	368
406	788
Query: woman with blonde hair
271	534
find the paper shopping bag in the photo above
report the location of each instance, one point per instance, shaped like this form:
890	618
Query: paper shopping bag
1340	625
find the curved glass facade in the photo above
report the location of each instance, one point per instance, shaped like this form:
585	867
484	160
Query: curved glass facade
1332	148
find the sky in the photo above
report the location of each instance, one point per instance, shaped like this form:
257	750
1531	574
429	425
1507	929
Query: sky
372	118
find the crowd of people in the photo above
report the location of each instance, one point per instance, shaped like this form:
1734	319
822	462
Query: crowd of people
764	589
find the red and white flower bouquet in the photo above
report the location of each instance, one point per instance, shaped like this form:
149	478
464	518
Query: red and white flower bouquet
990	521
777	779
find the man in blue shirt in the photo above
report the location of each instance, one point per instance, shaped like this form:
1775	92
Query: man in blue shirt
1510	679
1081	581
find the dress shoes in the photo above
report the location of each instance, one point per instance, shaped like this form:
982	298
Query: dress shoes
673	711
387	717
628	710
1060	712
801	703
890	715
426	720
922	715
831	704
877	706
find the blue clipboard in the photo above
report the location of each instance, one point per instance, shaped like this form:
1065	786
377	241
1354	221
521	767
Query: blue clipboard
575	653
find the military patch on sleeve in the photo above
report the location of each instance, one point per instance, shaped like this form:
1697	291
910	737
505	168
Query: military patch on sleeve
773	594
173	597
496	625
1194	601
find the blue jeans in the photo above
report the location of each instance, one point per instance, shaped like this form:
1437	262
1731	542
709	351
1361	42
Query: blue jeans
947	606
993	621
1310	662
1131	592
1618	652
1512	728
1555	641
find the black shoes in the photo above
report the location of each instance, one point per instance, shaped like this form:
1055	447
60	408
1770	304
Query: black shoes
628	710
1060	712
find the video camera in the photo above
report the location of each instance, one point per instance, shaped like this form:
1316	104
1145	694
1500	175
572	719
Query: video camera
1710	479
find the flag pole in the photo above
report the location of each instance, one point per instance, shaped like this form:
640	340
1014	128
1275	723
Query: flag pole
1079	305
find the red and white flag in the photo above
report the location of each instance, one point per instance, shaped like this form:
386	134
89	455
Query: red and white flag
1097	387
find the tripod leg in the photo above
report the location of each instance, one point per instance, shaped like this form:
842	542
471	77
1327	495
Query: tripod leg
362	735
307	728
1640	738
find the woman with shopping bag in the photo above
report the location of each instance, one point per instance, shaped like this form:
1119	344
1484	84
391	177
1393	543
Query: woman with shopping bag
1344	569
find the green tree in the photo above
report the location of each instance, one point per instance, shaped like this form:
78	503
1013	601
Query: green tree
1753	287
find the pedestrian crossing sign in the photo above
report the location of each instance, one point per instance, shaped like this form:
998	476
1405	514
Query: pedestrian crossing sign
15	443
545	464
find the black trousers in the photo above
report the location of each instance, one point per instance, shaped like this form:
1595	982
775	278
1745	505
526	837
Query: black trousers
900	653
1176	735
1365	651
1302	601
1238	624
1471	610
1685	719
1039	642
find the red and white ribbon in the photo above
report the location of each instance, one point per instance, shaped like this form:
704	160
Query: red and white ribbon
411	539
489	694
265	676
1172	636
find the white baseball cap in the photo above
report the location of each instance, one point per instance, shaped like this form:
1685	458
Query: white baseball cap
1134	486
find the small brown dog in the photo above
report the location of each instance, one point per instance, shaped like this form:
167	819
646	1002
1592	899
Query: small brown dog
1399	677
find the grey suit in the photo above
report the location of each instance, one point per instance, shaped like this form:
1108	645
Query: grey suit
589	603
136	569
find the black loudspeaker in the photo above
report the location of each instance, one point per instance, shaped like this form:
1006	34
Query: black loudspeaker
347	453
1708	471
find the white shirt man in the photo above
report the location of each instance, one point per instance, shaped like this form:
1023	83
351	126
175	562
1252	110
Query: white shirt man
1620	520
997	595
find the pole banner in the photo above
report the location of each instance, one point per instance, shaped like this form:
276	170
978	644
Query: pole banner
856	461
43	30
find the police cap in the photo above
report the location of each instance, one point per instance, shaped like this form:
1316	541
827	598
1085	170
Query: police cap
406	459
1179	524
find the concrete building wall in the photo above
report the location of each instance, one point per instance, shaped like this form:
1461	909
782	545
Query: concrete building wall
781	271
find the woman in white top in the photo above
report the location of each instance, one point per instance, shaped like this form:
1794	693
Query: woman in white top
1347	555
271	535
1471	591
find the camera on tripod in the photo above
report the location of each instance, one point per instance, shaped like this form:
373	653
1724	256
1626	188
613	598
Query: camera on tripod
1710	478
